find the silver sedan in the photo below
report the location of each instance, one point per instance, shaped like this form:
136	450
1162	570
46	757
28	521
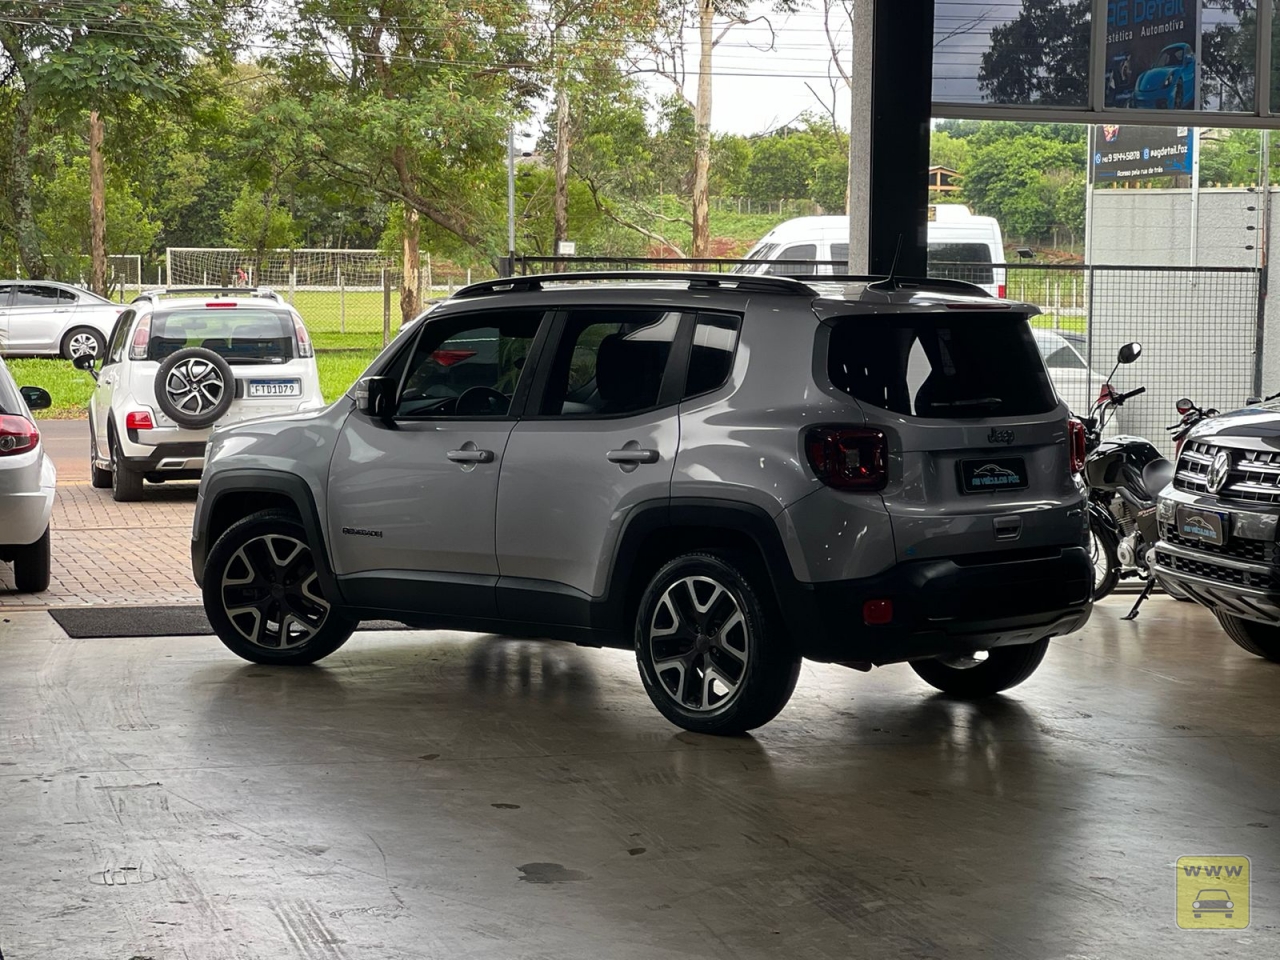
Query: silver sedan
44	318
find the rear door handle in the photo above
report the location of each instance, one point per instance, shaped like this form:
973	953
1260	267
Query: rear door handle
632	455
471	456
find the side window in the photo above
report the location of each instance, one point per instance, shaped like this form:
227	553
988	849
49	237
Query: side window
610	362
797	251
33	295
468	366
66	296
119	337
6	291
715	339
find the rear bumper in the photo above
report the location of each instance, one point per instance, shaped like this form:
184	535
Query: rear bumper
169	458
952	606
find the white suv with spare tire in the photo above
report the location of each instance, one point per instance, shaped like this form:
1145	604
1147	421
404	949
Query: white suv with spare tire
180	361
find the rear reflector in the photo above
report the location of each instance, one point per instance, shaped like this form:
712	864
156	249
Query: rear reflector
17	435
1002	291
876	613
848	458
139	420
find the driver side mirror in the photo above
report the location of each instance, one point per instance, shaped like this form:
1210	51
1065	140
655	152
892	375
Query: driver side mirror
376	397
84	361
1130	352
1252	401
36	398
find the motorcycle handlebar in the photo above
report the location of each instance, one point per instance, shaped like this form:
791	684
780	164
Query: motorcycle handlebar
1129	396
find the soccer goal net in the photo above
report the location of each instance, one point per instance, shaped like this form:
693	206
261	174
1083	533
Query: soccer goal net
284	270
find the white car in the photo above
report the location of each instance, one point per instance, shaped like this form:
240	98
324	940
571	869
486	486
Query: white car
43	318
27	482
1075	382
180	361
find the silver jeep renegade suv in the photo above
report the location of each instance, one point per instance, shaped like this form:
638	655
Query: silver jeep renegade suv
725	474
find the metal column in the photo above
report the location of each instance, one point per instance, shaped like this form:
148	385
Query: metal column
901	99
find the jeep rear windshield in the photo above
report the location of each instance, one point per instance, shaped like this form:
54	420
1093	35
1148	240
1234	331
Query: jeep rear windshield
239	334
951	366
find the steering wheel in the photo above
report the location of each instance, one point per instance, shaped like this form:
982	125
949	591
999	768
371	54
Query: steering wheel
486	401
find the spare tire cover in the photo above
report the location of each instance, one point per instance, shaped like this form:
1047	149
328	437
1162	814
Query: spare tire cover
195	387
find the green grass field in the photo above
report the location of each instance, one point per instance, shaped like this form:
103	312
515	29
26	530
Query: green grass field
70	388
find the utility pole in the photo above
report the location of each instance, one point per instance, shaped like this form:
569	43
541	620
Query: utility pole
511	203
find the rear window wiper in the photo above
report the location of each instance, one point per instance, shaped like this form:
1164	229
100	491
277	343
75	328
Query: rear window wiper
251	360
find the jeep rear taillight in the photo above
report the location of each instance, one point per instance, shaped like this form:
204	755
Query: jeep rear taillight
848	458
141	339
305	349
17	435
1076	441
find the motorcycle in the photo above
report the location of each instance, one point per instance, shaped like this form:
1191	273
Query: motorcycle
1124	474
1191	415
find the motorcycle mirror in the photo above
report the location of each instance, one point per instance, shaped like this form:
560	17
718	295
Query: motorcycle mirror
1185	406
1130	352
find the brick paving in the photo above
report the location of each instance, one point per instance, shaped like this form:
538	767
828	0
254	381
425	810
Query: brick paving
117	553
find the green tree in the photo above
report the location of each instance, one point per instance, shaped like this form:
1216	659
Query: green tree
67	56
418	112
64	198
1018	181
1041	56
781	167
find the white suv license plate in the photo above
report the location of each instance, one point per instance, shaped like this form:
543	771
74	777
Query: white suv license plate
256	389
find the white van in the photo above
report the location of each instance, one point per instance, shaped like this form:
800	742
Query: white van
961	247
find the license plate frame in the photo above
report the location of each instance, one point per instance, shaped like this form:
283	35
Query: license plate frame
1210	527
258	389
993	474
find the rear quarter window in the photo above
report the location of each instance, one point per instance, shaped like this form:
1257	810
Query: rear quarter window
953	366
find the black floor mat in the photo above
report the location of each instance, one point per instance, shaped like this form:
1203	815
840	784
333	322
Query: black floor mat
83	623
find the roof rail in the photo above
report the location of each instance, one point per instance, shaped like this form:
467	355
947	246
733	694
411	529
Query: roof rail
265	293
696	280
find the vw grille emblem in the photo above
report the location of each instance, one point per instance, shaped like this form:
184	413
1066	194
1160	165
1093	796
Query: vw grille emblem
1218	471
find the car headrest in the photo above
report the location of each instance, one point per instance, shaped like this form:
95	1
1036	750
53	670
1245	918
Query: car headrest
629	372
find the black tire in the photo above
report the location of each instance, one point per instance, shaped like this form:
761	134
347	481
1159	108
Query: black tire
78	337
126	483
1103	539
195	387
32	565
1004	667
99	478
1260	639
755	655
240	611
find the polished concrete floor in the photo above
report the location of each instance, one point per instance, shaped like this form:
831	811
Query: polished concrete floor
455	796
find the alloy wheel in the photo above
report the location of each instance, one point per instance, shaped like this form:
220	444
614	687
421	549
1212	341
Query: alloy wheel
699	644
195	386
271	594
83	344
